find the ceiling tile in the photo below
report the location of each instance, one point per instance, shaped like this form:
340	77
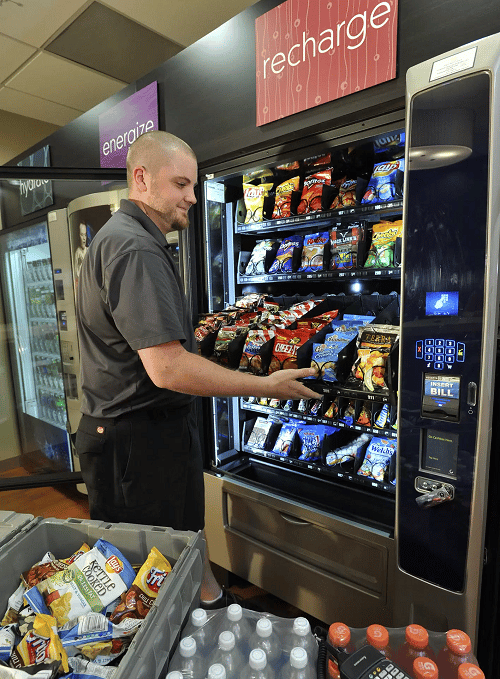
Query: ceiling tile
27	105
118	53
50	77
13	54
36	20
183	21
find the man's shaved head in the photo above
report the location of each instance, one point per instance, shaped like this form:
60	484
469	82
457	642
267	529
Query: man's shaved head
153	150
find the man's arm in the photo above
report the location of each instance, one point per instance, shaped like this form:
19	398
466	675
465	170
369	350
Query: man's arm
170	366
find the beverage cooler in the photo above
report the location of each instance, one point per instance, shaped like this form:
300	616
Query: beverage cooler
306	499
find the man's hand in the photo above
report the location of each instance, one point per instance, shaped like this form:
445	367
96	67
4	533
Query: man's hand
283	384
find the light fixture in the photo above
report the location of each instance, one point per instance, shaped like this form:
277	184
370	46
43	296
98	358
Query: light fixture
440	137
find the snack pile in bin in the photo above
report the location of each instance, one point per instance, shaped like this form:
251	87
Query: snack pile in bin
412	651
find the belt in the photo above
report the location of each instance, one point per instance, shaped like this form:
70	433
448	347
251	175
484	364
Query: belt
153	414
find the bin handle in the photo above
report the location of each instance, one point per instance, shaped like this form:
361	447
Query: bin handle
294	520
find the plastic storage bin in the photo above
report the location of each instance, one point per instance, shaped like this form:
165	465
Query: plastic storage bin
24	540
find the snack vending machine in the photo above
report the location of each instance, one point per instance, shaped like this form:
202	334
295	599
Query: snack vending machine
303	252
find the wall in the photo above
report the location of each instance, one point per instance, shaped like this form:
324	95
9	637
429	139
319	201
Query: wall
18	133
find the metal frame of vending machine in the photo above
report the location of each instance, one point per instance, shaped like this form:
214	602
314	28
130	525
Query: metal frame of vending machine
449	336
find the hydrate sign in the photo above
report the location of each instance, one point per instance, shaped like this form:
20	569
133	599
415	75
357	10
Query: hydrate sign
309	52
121	125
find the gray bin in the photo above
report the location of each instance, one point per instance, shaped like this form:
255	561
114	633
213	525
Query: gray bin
24	540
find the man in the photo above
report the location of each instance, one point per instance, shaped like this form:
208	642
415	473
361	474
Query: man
80	250
137	440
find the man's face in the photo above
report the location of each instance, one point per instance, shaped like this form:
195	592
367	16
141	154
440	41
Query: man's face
171	191
83	235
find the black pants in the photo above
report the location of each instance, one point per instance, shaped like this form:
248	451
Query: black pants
143	468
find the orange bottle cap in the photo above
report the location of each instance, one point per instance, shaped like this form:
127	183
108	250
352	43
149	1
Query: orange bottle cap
339	634
469	671
425	668
377	636
417	636
333	670
458	642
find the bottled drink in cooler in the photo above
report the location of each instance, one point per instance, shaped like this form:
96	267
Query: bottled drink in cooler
216	671
175	675
197	627
228	654
416	645
257	666
266	638
339	635
298	665
425	668
188	660
469	671
301	636
235	622
457	650
378	637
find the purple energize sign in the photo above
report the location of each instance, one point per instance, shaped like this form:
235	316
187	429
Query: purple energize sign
121	125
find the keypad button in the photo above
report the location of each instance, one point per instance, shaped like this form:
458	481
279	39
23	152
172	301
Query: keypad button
439	343
382	674
438	366
429	342
439	350
460	352
395	671
401	675
389	667
450	352
429	357
450	343
419	350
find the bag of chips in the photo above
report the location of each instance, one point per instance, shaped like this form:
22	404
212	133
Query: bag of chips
333	409
260	432
284	257
377	458
256	265
286	346
283	200
344	246
312	437
310	200
365	415
86	669
254	201
39	645
351	452
313	252
381	253
97	638
251	359
374	345
385	183
346	196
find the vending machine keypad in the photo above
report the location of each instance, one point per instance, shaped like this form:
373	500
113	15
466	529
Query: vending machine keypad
439	354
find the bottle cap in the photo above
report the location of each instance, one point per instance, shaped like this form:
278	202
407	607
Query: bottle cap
377	636
226	641
187	647
339	634
301	626
417	636
458	642
199	617
264	627
175	674
216	671
298	658
257	659
234	612
425	668
469	671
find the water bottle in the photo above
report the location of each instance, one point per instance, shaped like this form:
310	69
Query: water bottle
257	667
188	661
228	655
235	622
216	671
298	666
302	637
175	675
197	627
266	638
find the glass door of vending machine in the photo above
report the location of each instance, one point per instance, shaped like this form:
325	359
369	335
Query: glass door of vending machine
29	295
303	262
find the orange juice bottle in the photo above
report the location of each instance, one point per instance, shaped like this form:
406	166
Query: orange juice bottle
378	637
469	671
416	645
457	650
425	668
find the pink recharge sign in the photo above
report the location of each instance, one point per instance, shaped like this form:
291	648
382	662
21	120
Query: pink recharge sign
120	126
309	52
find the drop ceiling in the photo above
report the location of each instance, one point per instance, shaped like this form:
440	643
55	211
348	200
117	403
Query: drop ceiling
59	58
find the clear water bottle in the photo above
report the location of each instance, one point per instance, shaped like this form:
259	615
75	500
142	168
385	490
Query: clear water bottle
257	667
198	628
216	671
266	638
228	655
188	660
302	637
235	622
175	675
298	665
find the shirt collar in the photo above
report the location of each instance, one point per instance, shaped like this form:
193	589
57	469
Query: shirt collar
133	210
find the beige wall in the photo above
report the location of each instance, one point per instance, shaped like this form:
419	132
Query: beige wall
18	133
9	439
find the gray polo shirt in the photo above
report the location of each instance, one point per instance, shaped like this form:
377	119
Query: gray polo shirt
129	297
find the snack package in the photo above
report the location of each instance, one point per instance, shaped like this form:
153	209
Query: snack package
311	437
260	432
137	602
90	583
286	345
39	645
377	458
14	605
374	345
256	264
310	200
313	252
7	641
283	200
382	420
346	196
324	361
250	358
285	438
254	201
385	183
289	167
348	413
365	415
319	160
94	634
46	670
333	409
225	335
381	252
86	669
352	451
344	245
284	256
